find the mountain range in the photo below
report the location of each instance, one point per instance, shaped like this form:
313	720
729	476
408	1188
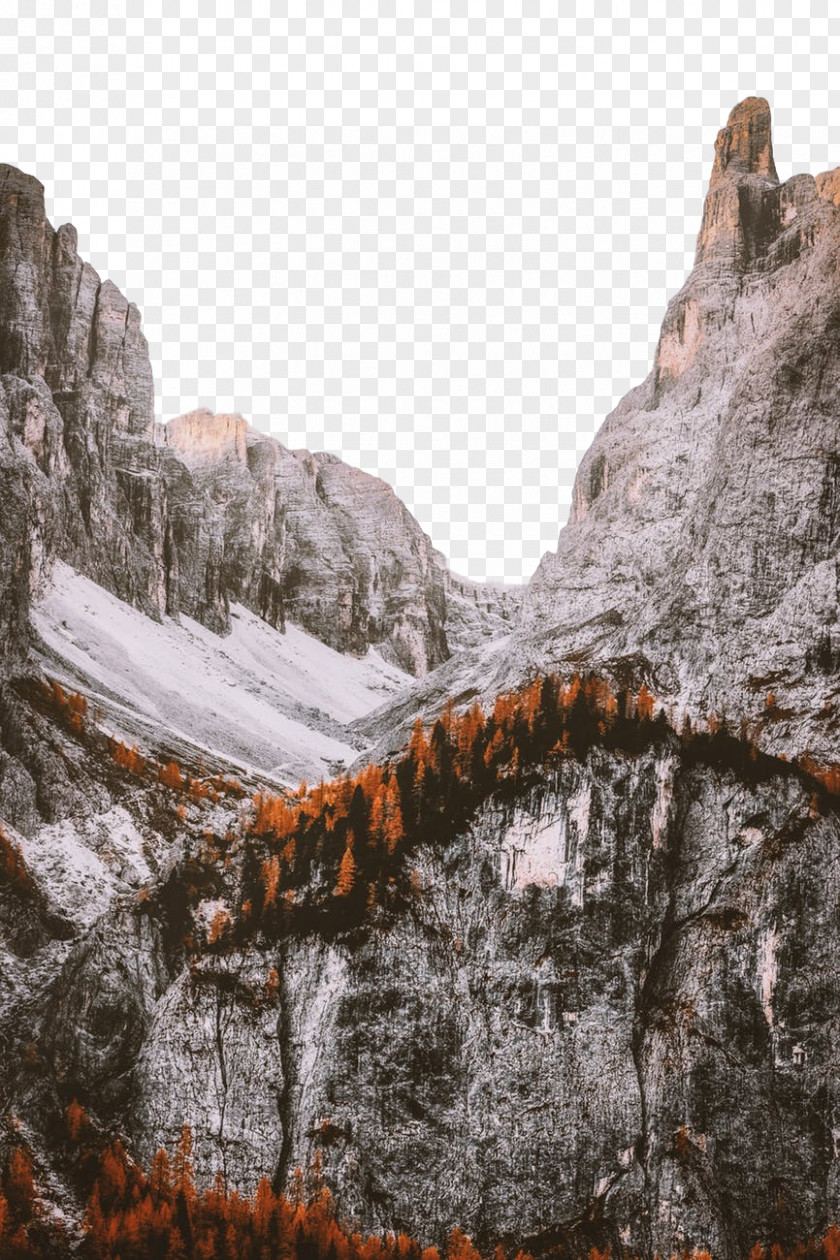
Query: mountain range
547	949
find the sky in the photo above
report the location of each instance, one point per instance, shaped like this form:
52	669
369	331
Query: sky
437	242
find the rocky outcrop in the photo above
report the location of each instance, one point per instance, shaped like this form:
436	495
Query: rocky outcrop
605	1011
603	1017
702	547
333	549
745	144
205	512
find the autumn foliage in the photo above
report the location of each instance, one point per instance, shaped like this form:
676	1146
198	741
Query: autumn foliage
324	857
76	1120
130	759
21	1234
70	706
337	849
346	873
13	872
160	1214
170	776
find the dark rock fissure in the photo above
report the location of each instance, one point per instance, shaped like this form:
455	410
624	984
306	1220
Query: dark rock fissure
603	1012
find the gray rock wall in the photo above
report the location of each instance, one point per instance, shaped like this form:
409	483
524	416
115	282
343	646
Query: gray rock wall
206	512
703	539
607	1013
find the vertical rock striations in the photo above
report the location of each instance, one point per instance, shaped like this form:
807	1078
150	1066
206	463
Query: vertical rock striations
603	1016
702	547
205	512
604	1010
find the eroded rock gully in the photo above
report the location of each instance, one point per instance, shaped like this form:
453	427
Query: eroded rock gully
608	1009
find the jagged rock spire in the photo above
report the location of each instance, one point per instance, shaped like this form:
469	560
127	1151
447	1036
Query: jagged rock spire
745	145
737	217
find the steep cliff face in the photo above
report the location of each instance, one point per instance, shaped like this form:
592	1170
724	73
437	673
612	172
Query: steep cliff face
206	512
606	1013
704	533
701	550
604	1008
303	537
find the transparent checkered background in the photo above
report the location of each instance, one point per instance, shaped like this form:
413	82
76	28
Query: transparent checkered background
436	242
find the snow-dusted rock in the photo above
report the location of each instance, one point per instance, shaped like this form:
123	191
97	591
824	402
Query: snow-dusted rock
206	512
278	704
606	1011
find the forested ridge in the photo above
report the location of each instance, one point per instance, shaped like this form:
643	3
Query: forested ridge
328	858
324	857
159	1214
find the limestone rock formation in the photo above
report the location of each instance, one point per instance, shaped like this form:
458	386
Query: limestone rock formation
604	1017
702	548
207	511
745	144
602	1010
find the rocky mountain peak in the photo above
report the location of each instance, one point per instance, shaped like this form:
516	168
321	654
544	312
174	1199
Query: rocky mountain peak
564	974
745	145
746	207
60	322
189	518
701	550
201	437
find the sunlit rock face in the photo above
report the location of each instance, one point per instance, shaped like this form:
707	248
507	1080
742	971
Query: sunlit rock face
200	438
206	511
603	1012
702	543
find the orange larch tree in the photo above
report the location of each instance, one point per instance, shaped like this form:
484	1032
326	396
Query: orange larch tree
170	776
346	873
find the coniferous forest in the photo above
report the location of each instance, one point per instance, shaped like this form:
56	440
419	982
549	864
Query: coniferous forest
322	859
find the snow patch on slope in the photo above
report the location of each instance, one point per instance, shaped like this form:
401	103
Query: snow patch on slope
82	863
278	704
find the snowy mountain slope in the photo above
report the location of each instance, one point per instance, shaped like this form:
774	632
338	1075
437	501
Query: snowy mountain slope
277	703
602	1010
202	513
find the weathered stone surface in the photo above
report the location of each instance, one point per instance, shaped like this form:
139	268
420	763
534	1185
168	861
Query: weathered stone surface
607	1015
609	1012
703	538
701	550
207	511
828	186
215	1032
745	144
